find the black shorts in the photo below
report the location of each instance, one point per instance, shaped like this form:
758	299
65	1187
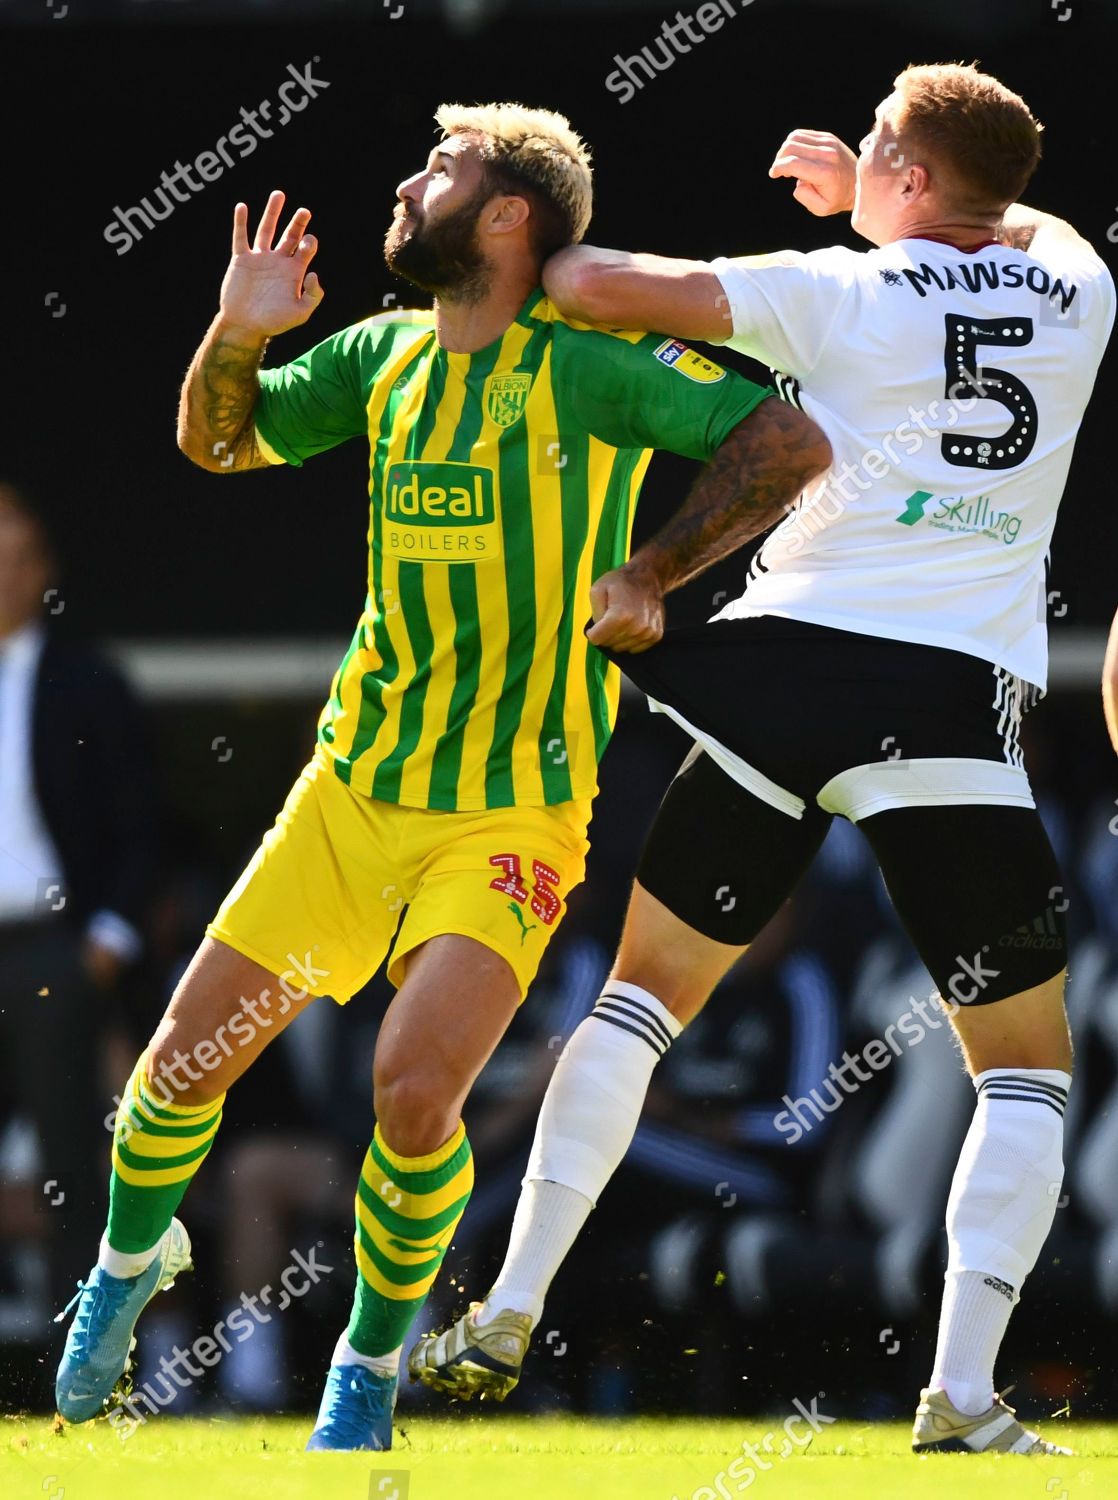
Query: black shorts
916	744
805	715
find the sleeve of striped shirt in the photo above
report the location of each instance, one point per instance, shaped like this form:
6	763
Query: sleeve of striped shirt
654	392
318	400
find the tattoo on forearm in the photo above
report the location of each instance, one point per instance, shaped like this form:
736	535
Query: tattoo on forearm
218	400
753	477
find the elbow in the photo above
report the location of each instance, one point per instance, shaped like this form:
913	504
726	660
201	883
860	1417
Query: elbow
813	451
217	459
578	283
782	451
593	295
188	451
188	445
199	460
818	453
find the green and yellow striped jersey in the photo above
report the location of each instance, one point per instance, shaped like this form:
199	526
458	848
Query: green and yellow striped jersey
502	483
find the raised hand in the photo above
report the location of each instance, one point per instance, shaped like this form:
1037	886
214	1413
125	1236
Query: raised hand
268	290
824	169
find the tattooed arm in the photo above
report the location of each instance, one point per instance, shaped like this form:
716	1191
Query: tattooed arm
752	478
218	396
266	291
748	484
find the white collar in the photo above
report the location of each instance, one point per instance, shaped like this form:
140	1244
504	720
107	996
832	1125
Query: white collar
24	644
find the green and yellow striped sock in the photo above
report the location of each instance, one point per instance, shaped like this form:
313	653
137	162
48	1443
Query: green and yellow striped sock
157	1148
408	1208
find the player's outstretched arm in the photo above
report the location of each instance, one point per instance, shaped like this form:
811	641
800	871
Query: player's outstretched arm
1110	684
266	291
753	477
623	290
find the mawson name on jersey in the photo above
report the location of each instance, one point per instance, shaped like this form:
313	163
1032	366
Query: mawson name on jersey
984	275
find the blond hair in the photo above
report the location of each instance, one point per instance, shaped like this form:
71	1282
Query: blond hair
981	133
534	153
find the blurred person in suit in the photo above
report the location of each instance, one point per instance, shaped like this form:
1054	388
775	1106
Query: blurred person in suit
76	861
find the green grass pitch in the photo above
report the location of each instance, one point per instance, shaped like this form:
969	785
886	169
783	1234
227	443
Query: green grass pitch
481	1457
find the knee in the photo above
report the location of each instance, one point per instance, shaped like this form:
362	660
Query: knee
1026	1030
170	1076
417	1108
681	990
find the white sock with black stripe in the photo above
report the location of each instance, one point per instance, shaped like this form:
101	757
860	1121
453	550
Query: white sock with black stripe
587	1120
1002	1204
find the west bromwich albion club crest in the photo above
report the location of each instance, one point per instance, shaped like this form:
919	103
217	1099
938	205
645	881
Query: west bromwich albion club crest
506	397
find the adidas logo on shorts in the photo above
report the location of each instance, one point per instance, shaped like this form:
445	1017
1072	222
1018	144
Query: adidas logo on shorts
1042	933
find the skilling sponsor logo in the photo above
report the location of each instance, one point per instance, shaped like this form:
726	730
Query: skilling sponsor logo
962	514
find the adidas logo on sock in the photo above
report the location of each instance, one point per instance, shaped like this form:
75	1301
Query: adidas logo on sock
998	1286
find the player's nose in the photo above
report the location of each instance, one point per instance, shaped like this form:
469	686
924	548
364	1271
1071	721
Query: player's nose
410	189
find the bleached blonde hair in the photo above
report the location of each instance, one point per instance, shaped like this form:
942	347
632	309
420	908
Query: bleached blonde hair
536	153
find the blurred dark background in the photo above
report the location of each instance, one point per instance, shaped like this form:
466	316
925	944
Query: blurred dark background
727	1268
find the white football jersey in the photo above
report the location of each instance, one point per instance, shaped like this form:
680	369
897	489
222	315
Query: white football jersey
951	385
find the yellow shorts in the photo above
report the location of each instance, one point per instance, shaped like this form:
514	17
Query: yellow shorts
323	895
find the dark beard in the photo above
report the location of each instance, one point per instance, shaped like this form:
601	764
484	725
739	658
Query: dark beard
443	259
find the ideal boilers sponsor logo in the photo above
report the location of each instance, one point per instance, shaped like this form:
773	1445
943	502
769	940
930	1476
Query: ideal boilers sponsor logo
971	515
440	512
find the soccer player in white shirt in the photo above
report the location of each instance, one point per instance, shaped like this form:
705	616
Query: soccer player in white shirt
876	667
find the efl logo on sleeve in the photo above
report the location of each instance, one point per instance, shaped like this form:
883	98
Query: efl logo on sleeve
679	357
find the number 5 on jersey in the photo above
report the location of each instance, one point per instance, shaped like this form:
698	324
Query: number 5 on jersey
966	377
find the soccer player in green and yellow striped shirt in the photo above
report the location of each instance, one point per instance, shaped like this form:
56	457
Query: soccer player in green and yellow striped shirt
457	754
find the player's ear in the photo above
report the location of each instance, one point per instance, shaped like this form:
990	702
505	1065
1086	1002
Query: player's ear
918	180
507	213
